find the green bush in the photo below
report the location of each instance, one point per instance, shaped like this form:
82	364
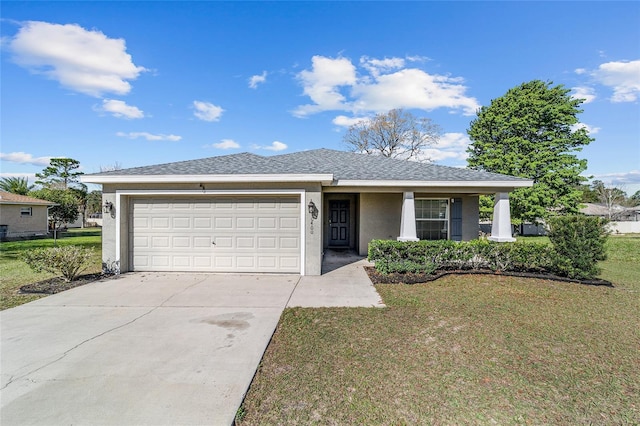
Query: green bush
578	244
68	261
418	256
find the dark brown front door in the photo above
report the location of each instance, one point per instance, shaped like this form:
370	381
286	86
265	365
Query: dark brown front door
338	223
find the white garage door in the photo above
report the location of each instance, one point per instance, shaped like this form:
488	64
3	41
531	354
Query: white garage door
220	234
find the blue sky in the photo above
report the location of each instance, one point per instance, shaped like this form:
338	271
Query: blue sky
138	83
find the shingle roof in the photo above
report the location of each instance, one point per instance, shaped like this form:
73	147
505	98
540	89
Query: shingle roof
11	198
343	166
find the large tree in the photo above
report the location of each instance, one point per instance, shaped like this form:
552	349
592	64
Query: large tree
66	210
533	132
16	185
61	173
396	134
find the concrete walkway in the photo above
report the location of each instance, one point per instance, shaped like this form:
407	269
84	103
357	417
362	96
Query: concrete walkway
153	348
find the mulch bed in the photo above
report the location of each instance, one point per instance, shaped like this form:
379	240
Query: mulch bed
57	284
412	278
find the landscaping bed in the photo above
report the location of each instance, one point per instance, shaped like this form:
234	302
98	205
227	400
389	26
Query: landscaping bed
419	278
57	284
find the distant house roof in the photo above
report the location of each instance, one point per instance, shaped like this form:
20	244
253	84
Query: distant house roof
617	211
11	198
329	166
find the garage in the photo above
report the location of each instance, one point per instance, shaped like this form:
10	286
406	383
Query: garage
215	234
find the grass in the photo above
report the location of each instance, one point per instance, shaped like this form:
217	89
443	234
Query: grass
462	350
15	273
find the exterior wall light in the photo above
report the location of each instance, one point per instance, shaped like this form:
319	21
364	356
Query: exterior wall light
108	207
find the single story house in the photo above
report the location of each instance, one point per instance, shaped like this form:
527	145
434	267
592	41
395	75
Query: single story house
251	213
616	212
22	216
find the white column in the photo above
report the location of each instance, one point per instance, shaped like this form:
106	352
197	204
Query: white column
501	226
408	220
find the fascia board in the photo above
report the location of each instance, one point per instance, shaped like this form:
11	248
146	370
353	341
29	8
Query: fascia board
110	179
438	184
24	203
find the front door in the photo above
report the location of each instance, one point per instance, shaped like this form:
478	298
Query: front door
339	223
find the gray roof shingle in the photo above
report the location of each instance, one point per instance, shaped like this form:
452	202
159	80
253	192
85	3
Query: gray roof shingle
343	166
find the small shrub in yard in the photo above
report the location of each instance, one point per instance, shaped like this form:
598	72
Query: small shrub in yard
578	244
69	261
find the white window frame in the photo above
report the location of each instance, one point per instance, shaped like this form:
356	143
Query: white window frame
447	213
26	211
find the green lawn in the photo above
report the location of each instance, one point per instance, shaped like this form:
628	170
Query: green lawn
15	273
462	350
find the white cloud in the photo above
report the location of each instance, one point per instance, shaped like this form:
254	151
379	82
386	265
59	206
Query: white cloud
31	177
344	121
624	178
85	61
24	158
592	130
255	80
207	111
583	92
413	88
449	146
149	136
580	71
322	84
623	77
275	146
383	84
377	66
120	109
226	144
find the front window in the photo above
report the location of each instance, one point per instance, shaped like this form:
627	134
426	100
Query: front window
432	219
26	211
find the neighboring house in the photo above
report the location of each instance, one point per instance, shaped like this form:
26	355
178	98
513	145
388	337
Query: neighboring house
22	216
250	213
616	213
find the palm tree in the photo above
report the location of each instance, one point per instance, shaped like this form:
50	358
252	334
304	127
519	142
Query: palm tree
17	185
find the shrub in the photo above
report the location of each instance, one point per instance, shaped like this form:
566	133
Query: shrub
578	245
69	261
428	256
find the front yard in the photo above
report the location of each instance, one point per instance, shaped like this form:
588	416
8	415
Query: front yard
471	349
462	350
14	273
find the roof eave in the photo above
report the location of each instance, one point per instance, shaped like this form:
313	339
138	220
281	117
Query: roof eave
506	184
26	203
229	178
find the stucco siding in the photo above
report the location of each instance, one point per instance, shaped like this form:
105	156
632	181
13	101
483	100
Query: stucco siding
19	225
380	216
313	231
470	217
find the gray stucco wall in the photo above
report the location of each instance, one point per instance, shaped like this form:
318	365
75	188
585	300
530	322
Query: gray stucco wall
313	232
380	215
470	217
109	254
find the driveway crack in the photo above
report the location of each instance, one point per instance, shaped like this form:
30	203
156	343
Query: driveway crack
68	351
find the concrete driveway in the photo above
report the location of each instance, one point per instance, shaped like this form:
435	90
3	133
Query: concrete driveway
148	348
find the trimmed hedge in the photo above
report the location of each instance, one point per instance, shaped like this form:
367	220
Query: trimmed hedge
577	244
429	256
